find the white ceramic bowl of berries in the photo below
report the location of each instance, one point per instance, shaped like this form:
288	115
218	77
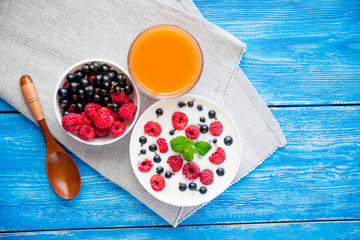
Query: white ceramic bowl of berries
96	102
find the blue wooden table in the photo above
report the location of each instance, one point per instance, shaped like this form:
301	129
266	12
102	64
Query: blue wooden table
303	57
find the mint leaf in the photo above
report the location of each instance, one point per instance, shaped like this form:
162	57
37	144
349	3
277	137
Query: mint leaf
202	148
188	154
178	144
189	142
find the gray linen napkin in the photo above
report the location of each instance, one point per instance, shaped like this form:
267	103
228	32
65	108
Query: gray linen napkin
44	41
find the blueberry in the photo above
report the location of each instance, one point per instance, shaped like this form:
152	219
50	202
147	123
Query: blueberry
159	112
157	158
70	78
153	147
95	66
105	68
171	132
81	94
117	89
192	186
78	75
85	69
65	113
112	75
181	104
73	87
204	128
190	103
212	114
142	140
106	100
202	119
214	140
121	79
97	80
115	106
168	174
199	107
89	90
220	172
96	98
182	187
203	190
84	82
105	81
79	107
62	92
143	151
159	170
64	103
128	89
228	140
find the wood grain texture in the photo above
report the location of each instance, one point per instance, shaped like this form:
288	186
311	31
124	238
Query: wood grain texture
315	177
298	52
317	230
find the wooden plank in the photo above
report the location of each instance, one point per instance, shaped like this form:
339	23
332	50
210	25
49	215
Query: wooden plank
4	106
298	52
309	230
315	177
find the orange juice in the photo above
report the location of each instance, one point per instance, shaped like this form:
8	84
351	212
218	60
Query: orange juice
165	61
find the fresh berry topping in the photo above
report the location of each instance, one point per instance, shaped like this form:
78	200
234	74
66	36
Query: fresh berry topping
71	108
218	157
128	89
182	187
103	118
214	140
128	99
143	151
64	103
117	129
175	162
181	104
179	120
191	171
79	107
62	92
95	66
85	69
105	68
159	170
228	140
113	74
127	111
89	90
145	165
117	89
192	132
206	177
78	75
216	128
157	182
115	115
190	104
99	132
159	112
66	84
84	82
86	132
70	122
199	107
118	97
115	106
65	113
212	114
142	140
171	132
85	120
121	79
152	147
163	146
168	174
157	158
220	172
91	109
96	98
152	129
204	128
73	87
192	186
70	77
203	190
202	119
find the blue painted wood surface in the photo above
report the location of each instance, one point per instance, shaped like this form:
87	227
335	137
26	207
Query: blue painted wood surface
298	53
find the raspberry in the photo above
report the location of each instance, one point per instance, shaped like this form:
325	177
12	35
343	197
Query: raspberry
103	118
191	171
85	120
66	84
152	129
72	108
206	177
218	157
115	114
157	182
118	97
86	132
175	162
128	99
163	146
127	111
99	132
192	132
216	128
117	129
179	120
145	165
91	109
70	122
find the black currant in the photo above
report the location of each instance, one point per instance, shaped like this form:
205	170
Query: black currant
113	84
81	94
199	107
105	68
204	128
97	80
117	89
112	75
168	174
181	104
79	107
103	93
65	113
70	77
192	186
159	170
105	82
214	140
203	190
228	140
115	106
142	140
78	75
202	119
85	69
73	87
220	172
159	112
84	82
153	147
64	103
190	104
128	89
106	100
171	132
157	158
62	92
121	79
143	151
96	98
95	66
182	187
89	90
212	114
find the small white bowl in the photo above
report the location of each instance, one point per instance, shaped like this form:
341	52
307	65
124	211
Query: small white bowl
134	96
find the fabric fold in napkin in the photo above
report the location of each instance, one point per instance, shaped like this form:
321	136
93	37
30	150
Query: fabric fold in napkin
44	41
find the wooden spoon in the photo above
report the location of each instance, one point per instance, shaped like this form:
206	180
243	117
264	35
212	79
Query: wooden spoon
63	174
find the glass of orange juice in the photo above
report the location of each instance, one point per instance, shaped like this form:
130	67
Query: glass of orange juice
165	61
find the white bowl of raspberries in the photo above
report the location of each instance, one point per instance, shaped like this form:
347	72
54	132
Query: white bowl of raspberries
96	102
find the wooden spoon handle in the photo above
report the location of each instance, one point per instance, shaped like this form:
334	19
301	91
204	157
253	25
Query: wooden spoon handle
31	96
